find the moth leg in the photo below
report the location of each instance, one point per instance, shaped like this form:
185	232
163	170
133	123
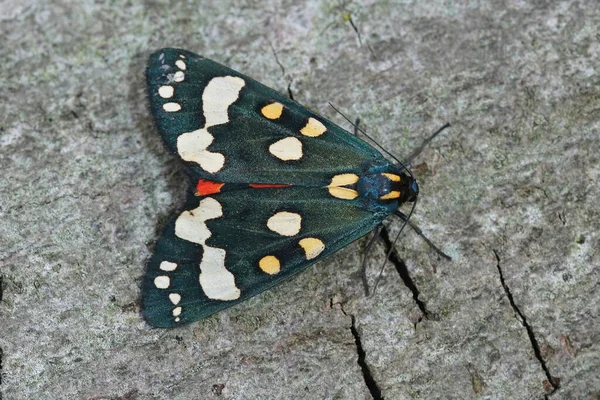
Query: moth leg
356	126
419	232
376	236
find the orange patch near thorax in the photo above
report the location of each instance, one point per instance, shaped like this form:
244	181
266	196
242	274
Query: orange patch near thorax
204	187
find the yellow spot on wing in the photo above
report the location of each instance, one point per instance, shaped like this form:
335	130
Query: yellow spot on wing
270	265
391	177
391	195
343	193
312	247
272	111
344	179
313	128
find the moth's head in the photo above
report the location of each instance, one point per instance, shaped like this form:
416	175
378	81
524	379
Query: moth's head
403	186
412	190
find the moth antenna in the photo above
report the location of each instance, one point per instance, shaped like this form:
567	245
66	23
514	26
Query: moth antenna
425	142
357	128
415	153
419	232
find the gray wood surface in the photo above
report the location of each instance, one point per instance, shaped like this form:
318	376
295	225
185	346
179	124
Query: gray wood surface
511	192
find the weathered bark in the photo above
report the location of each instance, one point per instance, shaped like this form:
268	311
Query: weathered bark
510	192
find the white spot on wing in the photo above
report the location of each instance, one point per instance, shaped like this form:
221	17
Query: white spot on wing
216	281
287	149
343	180
168	266
192	147
166	91
162	282
177	311
285	223
190	224
178	76
218	95
180	64
171	107
175	298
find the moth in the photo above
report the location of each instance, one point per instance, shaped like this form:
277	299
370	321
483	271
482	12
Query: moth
275	188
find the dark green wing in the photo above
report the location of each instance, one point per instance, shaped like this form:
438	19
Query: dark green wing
230	128
228	247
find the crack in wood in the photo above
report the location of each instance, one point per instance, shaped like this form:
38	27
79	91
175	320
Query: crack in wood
370	382
402	270
552	382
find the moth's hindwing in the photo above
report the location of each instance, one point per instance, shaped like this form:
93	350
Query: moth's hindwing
276	188
228	247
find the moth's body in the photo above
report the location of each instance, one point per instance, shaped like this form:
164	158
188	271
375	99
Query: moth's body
276	188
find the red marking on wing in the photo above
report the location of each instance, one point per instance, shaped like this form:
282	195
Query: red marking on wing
268	185
204	187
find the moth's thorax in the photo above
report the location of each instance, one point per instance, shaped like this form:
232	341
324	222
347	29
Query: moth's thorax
393	186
